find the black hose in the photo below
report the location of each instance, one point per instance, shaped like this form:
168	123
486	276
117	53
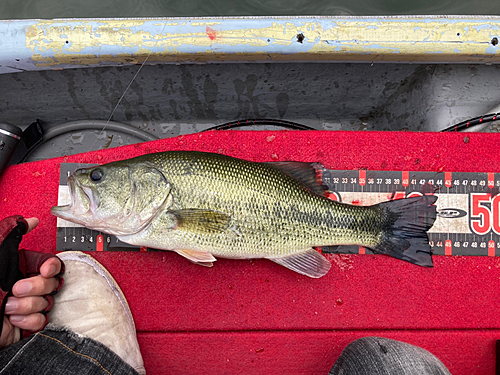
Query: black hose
472	122
260	122
67	127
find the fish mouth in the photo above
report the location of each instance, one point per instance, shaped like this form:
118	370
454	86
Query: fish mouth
81	202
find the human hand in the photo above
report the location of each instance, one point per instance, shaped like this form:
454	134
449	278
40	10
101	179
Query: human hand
23	309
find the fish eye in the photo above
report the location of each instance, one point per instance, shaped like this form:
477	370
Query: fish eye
96	175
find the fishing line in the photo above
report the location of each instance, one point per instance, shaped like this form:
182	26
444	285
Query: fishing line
130	84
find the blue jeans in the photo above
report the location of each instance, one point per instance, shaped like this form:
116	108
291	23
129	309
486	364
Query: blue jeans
380	356
57	351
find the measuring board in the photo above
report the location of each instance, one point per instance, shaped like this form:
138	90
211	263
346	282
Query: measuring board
468	209
71	236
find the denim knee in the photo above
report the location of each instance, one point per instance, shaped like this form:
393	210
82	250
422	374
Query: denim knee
382	356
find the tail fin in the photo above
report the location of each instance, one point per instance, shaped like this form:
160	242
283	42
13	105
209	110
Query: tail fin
407	221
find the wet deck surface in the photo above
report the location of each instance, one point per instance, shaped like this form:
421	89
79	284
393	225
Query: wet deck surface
245	316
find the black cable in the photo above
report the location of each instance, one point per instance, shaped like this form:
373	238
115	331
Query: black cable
83	125
472	122
260	122
295	126
57	130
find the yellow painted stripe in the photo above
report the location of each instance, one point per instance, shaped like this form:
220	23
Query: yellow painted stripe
66	43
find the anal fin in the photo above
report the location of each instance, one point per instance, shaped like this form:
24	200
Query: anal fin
205	264
310	263
202	258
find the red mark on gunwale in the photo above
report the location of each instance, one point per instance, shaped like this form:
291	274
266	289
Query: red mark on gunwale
212	34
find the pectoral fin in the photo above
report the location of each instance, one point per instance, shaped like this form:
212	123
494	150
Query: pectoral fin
199	257
310	263
201	221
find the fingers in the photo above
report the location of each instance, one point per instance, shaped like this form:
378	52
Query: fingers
8	333
45	283
35	286
32	322
25	312
25	305
51	267
32	223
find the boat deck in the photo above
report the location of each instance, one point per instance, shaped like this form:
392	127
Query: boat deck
253	316
99	84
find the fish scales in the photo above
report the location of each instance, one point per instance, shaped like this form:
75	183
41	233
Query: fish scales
203	205
271	213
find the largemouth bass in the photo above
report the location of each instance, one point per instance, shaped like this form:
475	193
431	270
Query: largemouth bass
204	205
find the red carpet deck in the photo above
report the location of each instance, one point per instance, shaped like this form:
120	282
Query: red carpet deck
256	317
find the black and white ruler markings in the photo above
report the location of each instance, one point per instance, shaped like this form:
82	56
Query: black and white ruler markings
71	236
468	206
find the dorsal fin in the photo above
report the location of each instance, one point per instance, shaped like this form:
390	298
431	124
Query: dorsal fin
305	173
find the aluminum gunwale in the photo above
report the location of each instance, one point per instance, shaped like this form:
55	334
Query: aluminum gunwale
28	45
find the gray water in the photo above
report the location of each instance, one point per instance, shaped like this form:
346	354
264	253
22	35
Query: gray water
28	9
